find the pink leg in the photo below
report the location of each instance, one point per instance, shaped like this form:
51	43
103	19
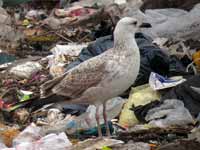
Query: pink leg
98	122
105	120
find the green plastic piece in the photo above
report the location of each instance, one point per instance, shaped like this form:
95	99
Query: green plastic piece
106	148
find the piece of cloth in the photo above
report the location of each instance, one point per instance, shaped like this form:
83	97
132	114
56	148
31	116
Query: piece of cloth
189	93
152	57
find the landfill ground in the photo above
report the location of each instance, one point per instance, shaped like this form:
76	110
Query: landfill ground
99	75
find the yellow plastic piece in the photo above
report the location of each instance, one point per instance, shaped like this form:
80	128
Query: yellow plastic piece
196	58
141	95
106	148
25	22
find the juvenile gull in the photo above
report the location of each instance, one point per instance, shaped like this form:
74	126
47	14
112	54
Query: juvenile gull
102	77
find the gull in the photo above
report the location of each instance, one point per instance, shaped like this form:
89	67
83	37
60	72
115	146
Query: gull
103	77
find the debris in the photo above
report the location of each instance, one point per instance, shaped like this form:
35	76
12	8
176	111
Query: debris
158	134
29	135
50	141
6	58
21	116
196	58
195	134
36	15
134	146
7	134
158	82
98	144
186	94
156	4
41	44
26	70
85	121
138	96
14	2
62	56
173	112
181	145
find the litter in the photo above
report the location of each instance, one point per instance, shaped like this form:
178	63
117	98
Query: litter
158	82
41	41
139	96
173	112
26	70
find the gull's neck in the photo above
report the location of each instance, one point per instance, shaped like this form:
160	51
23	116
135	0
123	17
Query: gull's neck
125	42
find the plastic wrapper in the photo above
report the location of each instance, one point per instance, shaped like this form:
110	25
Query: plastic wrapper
48	142
7	134
171	113
195	134
25	70
1	3
62	55
2	145
141	95
180	26
28	135
158	82
87	120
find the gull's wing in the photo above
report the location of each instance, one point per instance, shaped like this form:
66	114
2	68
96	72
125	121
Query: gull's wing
78	79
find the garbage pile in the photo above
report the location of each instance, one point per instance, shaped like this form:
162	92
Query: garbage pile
41	41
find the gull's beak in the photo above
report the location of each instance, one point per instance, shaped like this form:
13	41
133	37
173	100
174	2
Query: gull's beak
145	25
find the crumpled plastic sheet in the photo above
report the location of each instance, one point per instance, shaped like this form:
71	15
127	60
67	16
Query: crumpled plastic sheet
25	70
171	23
140	95
32	138
171	113
87	120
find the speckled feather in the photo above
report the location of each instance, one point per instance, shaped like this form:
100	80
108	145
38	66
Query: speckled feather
104	76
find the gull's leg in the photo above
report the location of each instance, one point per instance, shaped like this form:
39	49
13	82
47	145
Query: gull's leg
105	120
98	122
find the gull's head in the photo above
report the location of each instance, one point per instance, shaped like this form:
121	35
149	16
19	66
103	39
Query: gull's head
130	25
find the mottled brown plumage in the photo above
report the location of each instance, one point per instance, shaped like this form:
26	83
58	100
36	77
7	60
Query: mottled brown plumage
102	77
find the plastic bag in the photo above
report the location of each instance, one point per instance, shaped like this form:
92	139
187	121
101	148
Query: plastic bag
158	16
54	142
62	55
114	107
158	82
71	124
141	95
171	113
30	134
25	70
1	3
48	142
2	145
184	27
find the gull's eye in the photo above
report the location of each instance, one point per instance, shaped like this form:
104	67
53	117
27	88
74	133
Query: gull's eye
134	23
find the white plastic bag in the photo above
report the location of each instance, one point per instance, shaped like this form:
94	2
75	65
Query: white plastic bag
58	59
54	142
171	113
87	120
1	3
30	134
2	145
158	82
25	70
48	142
